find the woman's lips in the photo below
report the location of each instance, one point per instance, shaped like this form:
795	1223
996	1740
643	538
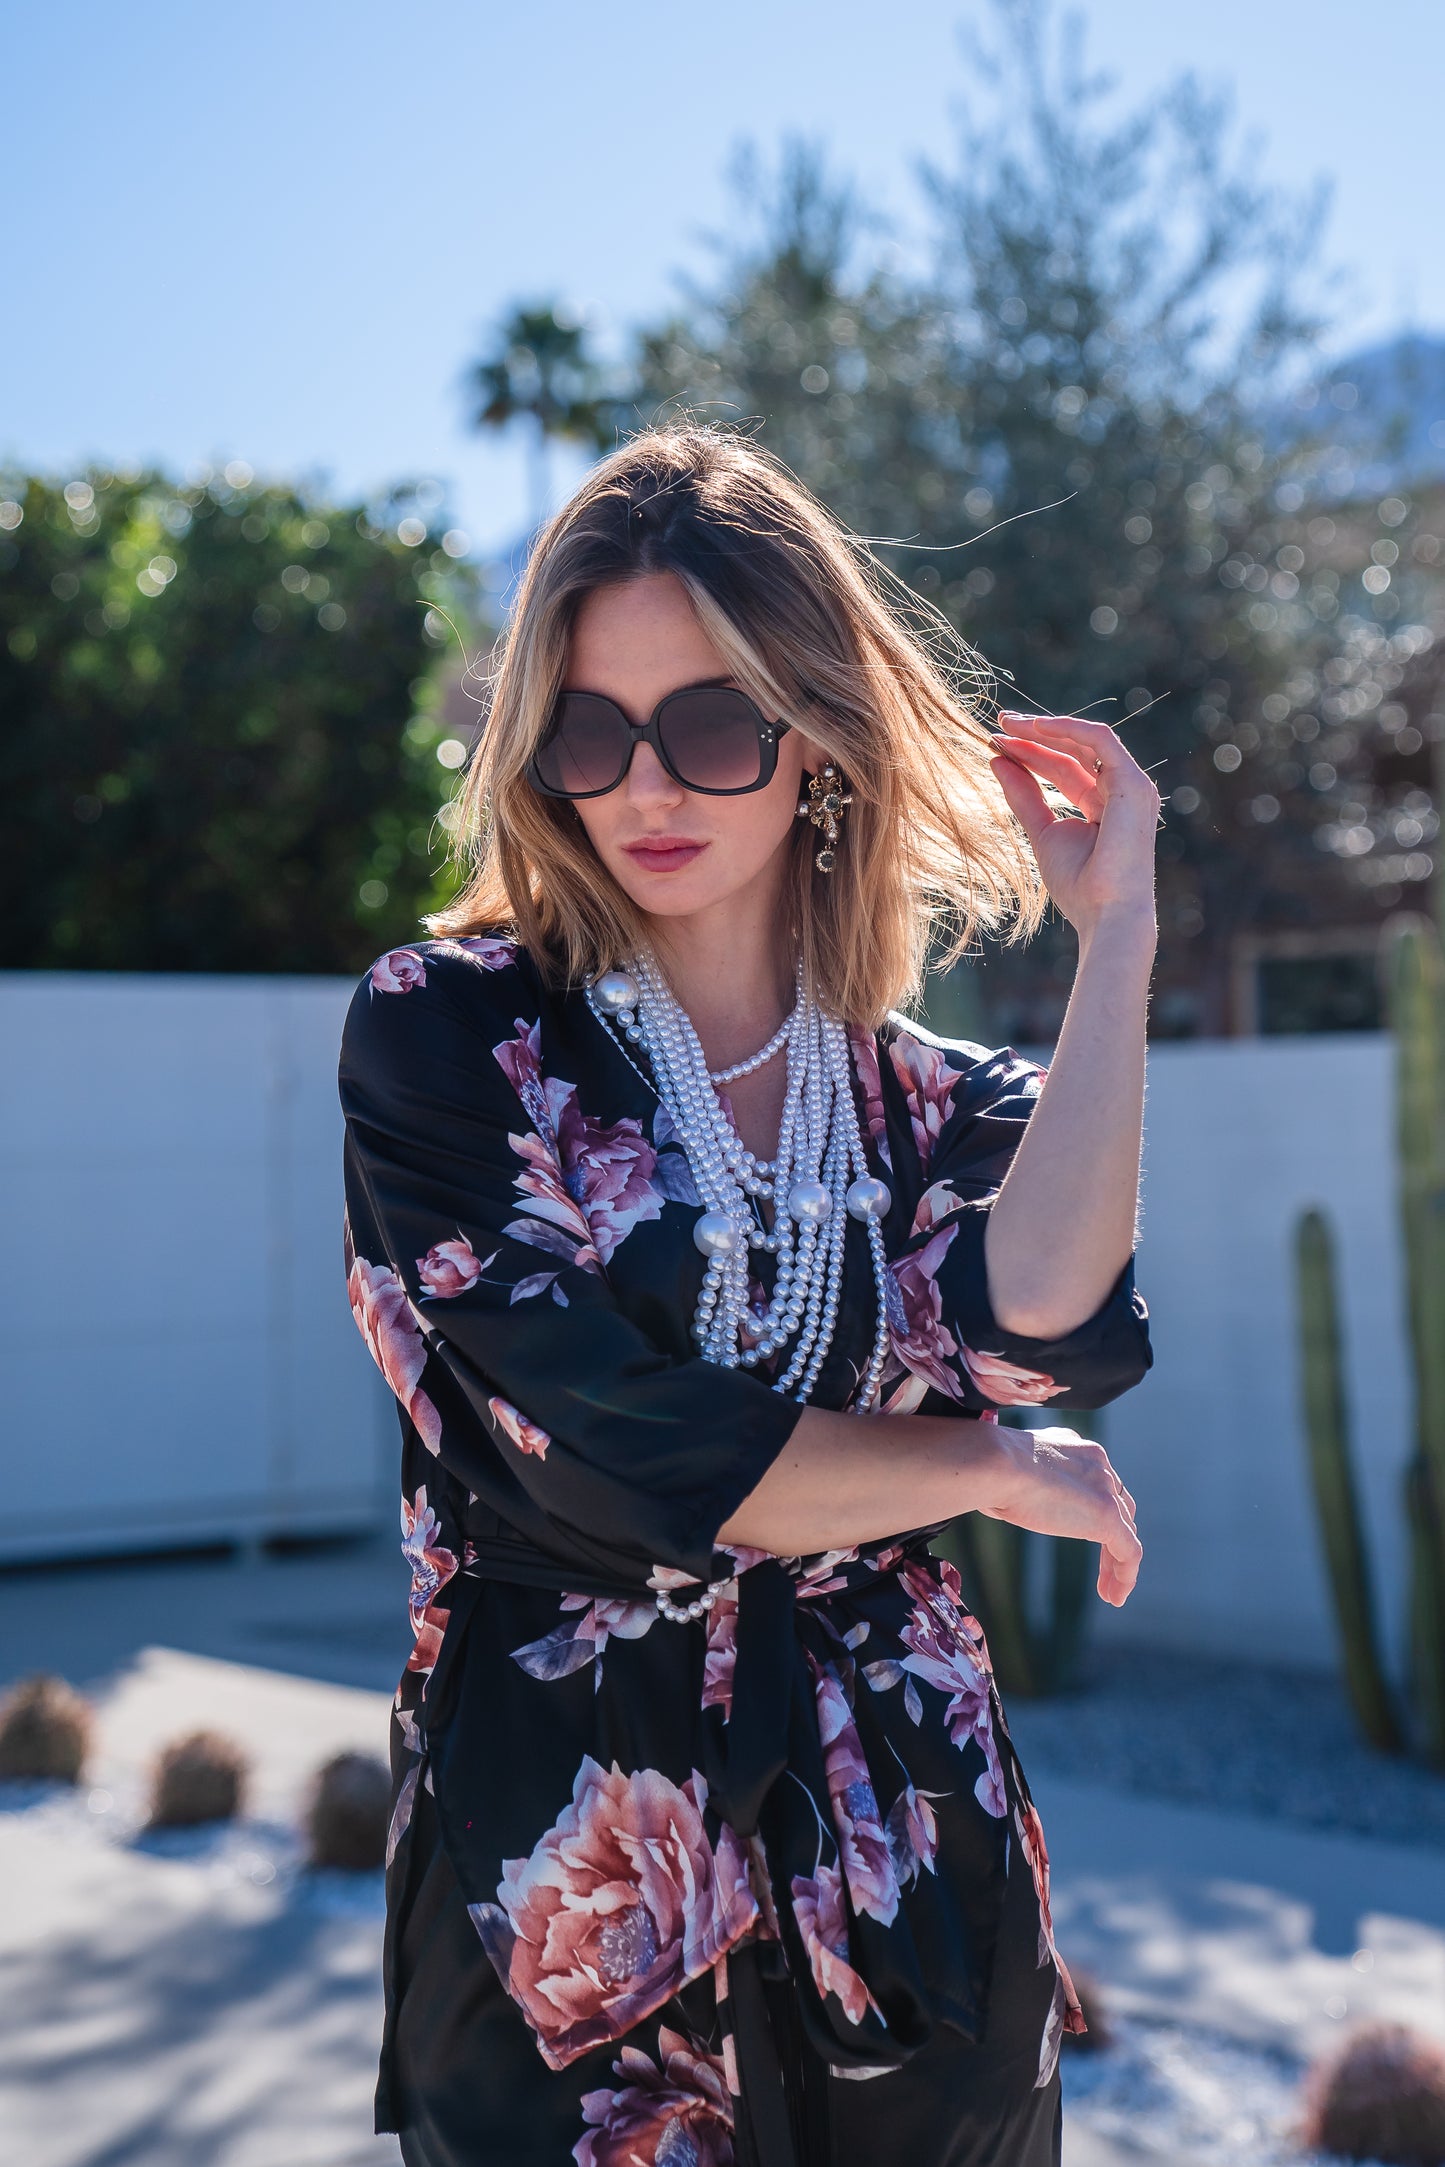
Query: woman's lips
664	853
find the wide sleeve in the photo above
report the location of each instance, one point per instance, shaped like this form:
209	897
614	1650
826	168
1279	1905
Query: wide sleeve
958	1114
480	1287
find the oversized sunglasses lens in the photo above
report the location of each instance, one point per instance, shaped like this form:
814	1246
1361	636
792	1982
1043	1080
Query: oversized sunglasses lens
585	748
712	739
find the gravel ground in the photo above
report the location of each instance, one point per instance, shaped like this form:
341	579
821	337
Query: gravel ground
1241	1736
1188	2096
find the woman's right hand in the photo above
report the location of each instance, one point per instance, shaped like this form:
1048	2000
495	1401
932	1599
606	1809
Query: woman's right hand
1055	1482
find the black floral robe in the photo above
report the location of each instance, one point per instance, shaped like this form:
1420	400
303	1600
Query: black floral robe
666	1893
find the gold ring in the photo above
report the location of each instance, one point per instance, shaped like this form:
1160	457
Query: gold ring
1098	764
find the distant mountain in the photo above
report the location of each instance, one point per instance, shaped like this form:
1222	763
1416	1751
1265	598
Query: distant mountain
1382	410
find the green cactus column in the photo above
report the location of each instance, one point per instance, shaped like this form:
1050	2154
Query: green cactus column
1333	1477
1416	983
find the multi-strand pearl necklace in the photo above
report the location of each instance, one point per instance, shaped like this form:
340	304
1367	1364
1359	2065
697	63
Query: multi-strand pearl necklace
819	1178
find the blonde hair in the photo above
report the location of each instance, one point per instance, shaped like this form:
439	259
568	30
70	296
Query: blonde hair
818	632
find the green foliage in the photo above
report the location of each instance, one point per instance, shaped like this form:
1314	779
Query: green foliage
222	714
1071	415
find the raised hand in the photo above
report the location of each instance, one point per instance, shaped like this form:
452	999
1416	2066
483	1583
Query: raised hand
1100	866
1056	1482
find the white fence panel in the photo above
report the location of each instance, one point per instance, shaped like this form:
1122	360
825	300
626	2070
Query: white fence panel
1240	1137
179	1356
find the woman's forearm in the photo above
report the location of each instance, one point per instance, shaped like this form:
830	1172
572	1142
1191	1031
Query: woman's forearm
1064	1223
842	1479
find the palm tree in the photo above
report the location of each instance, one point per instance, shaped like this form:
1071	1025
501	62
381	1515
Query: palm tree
539	369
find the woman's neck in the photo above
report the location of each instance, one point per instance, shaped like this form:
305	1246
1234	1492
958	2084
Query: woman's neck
732	969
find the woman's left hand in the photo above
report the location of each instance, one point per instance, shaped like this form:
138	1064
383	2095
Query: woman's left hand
1102	866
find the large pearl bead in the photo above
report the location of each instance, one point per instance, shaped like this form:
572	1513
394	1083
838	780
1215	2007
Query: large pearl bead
716	1235
869	1199
809	1200
615	990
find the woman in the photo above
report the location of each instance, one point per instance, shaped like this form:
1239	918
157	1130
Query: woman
709	1841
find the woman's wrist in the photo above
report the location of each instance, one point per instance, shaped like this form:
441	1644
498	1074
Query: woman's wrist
1126	934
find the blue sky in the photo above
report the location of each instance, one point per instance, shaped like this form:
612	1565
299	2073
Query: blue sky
276	230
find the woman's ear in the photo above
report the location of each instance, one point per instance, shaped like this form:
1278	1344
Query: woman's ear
814	757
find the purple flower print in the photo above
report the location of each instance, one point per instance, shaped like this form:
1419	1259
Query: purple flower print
678	2114
386	1322
398	972
823	1924
580	1640
585	1183
862	1844
928	1084
526	1436
912	1830
920	1343
432	1564
1007	1383
947	1650
1066	2014
870	1079
449	1268
618	1905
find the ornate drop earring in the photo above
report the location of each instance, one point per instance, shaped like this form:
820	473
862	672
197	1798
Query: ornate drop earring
824	807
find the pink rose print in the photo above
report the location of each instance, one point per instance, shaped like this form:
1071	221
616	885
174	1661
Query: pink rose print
1066	2015
818	1909
586	1183
947	1650
398	972
929	1084
722	1651
676	2115
432	1564
618	1905
920	1343
913	1833
865	1060
385	1321
483	949
581	1640
449	1268
862	1844
1007	1383
526	1436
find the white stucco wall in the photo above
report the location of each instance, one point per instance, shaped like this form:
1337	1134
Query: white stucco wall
180	1361
178	1352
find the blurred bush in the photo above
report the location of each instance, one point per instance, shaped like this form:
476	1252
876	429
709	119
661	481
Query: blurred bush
224	704
45	1730
348	1813
1380	2096
201	1777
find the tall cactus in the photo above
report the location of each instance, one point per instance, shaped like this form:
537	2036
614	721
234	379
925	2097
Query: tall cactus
1415	981
1417	1015
1332	1472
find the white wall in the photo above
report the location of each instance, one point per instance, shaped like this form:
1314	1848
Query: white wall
178	1354
1241	1136
180	1360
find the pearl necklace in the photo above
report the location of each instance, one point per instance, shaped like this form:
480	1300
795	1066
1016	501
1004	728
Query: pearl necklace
760	1059
819	1178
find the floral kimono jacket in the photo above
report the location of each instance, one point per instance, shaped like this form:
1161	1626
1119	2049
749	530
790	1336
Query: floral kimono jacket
697	1857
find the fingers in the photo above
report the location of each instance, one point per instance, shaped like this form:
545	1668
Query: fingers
1026	800
1117	768
1068	774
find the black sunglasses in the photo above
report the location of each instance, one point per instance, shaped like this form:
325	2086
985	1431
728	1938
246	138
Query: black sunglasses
710	738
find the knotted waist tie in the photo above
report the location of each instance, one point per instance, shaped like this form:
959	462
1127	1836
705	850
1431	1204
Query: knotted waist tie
771	1735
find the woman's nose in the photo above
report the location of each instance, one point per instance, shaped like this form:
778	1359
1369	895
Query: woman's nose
648	782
